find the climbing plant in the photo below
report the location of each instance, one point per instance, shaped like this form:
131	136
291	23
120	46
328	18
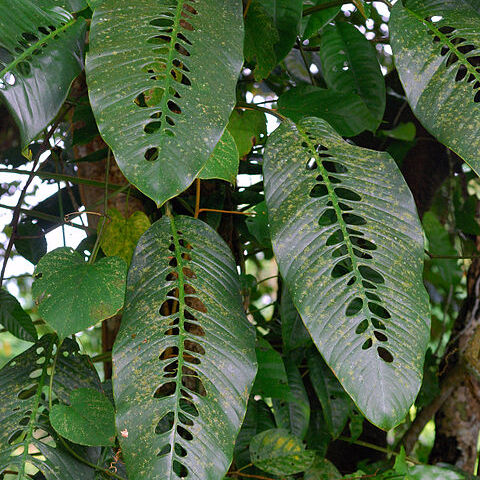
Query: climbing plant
248	226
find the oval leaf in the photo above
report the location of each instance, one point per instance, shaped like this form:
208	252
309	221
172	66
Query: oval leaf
184	360
437	64
151	90
14	318
73	295
279	453
38	49
356	276
88	420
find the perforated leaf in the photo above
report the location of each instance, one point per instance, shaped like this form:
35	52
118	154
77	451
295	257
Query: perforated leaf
24	413
41	52
349	64
73	295
14	318
280	453
150	83
437	48
356	276
184	360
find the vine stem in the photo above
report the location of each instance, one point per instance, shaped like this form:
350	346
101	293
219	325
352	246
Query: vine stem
247	6
17	211
252	106
197	198
223	211
304	58
96	248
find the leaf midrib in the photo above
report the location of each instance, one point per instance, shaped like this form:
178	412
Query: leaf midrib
29	51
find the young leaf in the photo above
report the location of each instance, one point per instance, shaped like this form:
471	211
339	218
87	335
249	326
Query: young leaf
280	453
436	51
223	162
356	276
41	53
184	359
73	295
88	420
346	112
150	82
350	64
15	319
24	418
121	234
261	36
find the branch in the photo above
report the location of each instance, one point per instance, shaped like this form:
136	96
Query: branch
252	106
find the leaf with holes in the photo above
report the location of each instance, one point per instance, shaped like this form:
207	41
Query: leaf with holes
41	53
437	52
24	415
261	36
336	404
280	453
349	64
150	84
223	162
73	295
184	359
88	420
356	276
121	234
293	415
14	318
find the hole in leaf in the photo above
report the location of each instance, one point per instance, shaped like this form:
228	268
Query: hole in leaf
165	390
188	406
370	274
379	310
385	355
165	450
180	451
328	217
347	194
184	433
354	307
362	326
151	154
165	424
342	268
367	344
335	238
180	469
381	337
378	324
318	191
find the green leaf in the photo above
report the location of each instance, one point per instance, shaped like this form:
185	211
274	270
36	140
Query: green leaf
261	36
336	404
73	295
429	472
151	89
356	276
317	20
223	162
404	131
184	358
37	63
24	416
350	64
88	420
293	415
271	380
70	5
287	15
436	62
34	247
294	333
247	128
322	469
344	111
280	453
15	319
258	224
121	234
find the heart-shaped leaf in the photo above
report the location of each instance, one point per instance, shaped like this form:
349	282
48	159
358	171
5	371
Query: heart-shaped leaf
280	453
150	83
88	420
73	295
121	234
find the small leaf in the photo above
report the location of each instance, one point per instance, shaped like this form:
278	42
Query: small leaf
294	333
73	295
280	453
322	469
248	128
271	380
15	319
88	420
403	131
346	112
317	20
261	36
34	246
223	162
121	234
258	224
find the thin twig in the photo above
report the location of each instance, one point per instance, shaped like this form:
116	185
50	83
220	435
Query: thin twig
304	58
223	211
247	6
252	106
197	197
